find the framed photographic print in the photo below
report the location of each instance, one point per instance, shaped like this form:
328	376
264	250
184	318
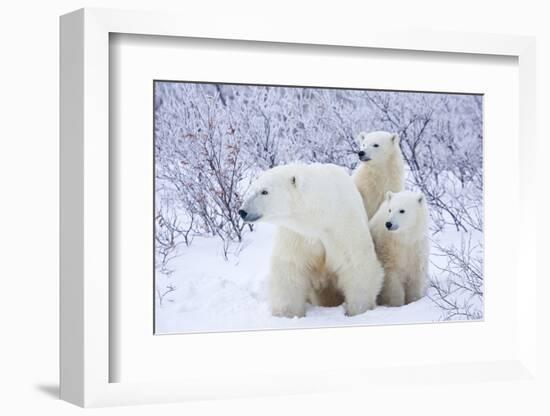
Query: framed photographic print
290	197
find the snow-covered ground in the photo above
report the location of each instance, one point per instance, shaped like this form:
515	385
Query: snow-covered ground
212	294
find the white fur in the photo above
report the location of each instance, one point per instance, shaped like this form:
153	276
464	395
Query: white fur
403	249
323	240
380	170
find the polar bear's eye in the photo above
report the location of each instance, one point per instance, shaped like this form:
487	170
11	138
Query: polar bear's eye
401	211
389	210
375	145
264	192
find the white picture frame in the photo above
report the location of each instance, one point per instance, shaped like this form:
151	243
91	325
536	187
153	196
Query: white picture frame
86	356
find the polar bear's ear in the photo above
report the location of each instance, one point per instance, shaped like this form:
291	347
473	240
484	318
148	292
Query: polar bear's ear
361	137
395	138
420	197
389	194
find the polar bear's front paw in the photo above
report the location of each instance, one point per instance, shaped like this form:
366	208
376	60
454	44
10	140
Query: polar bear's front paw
413	294
356	308
288	311
392	299
393	293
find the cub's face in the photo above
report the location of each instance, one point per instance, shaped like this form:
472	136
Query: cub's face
271	198
403	210
376	146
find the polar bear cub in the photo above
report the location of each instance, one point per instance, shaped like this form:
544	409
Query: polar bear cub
323	239
381	168
400	234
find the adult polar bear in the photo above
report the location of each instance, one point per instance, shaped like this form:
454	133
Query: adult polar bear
381	168
323	240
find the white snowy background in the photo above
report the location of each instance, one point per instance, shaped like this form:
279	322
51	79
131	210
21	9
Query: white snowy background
212	140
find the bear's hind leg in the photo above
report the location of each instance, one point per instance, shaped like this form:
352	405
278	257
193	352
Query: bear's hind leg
329	296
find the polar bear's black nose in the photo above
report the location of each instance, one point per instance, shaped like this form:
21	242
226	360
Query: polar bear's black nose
361	153
243	213
388	225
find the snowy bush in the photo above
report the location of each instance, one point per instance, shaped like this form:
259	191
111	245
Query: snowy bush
458	290
199	161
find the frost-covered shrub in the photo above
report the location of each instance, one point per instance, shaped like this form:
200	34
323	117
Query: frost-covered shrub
200	161
457	286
